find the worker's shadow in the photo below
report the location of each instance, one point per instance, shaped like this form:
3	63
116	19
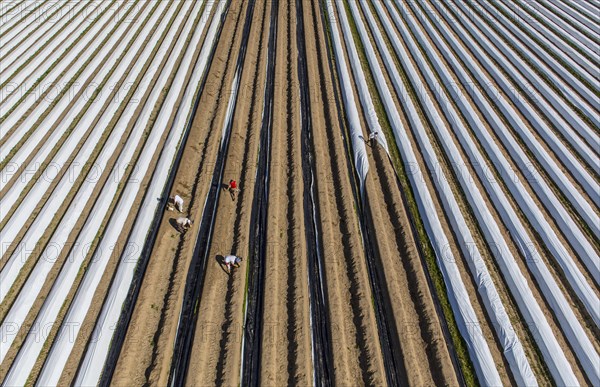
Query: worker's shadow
173	223
365	140
221	261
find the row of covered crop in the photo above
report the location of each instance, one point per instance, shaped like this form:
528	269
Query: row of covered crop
453	114
129	129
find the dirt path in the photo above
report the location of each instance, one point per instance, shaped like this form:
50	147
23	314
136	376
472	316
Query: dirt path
286	346
348	295
152	328
216	353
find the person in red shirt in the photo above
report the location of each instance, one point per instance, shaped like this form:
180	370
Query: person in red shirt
233	188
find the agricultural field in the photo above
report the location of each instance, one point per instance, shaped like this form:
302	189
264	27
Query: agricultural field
418	203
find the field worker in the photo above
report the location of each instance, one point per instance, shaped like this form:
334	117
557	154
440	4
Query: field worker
233	188
373	138
232	261
183	223
178	201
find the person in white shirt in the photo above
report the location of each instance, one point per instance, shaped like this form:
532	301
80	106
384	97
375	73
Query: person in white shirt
373	138
183	223
178	201
232	261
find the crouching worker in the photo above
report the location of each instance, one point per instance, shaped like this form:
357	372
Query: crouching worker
233	188
177	201
183	224
373	139
232	261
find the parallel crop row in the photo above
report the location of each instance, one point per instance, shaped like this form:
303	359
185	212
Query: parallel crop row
104	149
494	138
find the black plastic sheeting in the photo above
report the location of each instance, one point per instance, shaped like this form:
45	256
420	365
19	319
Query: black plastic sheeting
251	349
134	290
322	351
196	273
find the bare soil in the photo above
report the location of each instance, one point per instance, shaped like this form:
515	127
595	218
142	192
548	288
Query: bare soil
286	358
153	324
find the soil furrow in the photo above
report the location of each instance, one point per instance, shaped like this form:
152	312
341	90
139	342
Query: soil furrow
286	354
216	352
154	320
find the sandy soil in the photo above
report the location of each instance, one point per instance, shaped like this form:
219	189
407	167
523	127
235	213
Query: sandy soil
351	314
419	337
415	326
286	345
216	353
103	287
39	249
447	170
155	316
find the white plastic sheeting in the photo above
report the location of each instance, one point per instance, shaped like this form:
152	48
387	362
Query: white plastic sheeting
77	312
51	117
515	35
29	98
13	12
556	41
466	318
361	161
587	12
33	344
563	14
585	64
572	328
563	29
360	80
552	352
17	71
59	239
564	220
513	349
35	230
580	95
576	170
25	17
95	356
516	187
38	33
552	105
25	88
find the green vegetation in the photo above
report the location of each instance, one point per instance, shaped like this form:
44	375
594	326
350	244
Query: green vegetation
424	242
